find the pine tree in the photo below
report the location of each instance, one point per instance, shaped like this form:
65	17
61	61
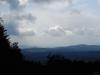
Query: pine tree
4	42
9	54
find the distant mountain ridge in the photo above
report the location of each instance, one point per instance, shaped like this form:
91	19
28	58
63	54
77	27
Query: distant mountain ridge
81	47
82	52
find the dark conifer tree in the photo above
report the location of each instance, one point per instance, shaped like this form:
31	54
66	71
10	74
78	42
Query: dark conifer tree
9	54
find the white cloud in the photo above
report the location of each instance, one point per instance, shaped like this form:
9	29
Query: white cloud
23	2
56	31
68	32
25	29
59	31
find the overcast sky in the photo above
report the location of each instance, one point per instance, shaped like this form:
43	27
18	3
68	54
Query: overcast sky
52	23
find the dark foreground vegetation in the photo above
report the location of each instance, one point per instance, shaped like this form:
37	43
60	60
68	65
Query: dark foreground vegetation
12	61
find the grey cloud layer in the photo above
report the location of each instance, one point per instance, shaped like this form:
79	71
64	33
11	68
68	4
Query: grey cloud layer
45	27
15	20
14	4
50	1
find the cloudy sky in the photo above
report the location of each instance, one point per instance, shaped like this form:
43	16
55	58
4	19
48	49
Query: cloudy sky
52	23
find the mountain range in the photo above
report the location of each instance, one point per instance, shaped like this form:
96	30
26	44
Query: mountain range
77	52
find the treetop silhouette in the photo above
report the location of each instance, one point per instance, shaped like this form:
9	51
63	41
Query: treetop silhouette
8	53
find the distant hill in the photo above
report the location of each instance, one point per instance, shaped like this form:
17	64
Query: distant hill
79	52
67	48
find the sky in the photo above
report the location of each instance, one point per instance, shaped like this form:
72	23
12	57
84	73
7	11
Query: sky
52	23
